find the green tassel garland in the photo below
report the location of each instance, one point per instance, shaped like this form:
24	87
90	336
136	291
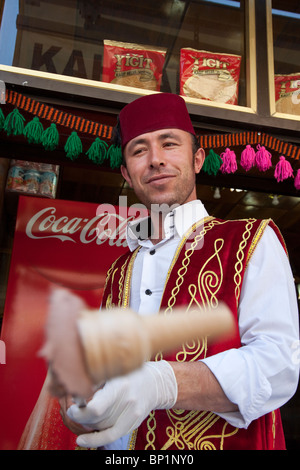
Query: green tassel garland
33	131
2	119
14	123
212	163
97	151
50	137
73	147
114	155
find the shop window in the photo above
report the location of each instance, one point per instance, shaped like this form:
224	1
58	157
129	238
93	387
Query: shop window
199	49
286	45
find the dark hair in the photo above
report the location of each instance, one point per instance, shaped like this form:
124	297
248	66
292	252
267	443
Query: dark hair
116	135
195	143
116	139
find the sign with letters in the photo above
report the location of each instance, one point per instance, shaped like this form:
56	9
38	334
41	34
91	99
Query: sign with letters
62	244
68	57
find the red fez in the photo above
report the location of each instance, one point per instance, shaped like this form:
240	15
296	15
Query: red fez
153	112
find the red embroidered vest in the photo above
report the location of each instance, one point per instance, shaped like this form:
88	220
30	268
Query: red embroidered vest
208	267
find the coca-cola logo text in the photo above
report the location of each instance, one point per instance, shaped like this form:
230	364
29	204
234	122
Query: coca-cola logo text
108	225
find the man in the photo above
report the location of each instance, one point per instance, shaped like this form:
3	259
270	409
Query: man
220	396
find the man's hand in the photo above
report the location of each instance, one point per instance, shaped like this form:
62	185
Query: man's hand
124	402
75	428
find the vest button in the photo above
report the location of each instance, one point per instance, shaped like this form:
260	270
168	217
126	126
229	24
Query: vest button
148	292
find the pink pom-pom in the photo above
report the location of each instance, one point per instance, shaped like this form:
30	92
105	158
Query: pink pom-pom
297	180
229	164
263	158
283	169
247	158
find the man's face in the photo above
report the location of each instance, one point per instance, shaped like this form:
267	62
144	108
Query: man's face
161	167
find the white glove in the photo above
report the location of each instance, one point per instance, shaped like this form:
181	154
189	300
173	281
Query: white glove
124	402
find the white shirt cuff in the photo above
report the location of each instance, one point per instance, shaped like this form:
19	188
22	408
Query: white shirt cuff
250	401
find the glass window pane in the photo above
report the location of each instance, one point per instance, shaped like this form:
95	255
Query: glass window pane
133	43
286	36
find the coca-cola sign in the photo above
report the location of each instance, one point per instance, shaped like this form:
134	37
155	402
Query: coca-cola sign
56	243
72	243
108	225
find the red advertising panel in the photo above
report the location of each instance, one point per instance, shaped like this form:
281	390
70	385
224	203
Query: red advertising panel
57	244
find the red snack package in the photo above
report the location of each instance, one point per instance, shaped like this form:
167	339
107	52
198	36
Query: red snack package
209	75
133	65
287	93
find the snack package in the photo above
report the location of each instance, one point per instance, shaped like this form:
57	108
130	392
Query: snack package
15	176
133	65
287	93
209	75
39	179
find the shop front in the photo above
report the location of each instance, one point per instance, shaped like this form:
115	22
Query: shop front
66	70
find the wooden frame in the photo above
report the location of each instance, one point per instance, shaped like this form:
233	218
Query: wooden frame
259	112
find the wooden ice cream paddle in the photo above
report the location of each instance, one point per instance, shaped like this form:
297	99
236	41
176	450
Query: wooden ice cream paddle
84	348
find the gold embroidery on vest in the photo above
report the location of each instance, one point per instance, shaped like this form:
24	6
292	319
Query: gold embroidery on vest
256	238
188	253
150	436
273	427
111	270
132	440
121	280
195	348
126	288
209	282
223	435
108	274
187	431
191	429
240	257
184	240
109	302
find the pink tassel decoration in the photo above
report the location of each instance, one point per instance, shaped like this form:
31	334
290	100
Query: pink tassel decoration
229	164
247	158
283	170
263	158
297	180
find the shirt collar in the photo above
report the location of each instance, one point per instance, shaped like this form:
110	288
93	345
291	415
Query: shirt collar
176	223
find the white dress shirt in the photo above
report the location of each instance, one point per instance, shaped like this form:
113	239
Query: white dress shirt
263	374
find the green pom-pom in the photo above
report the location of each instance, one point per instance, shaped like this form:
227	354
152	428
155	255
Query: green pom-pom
73	147
14	123
50	137
33	131
114	155
2	119
212	163
97	151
